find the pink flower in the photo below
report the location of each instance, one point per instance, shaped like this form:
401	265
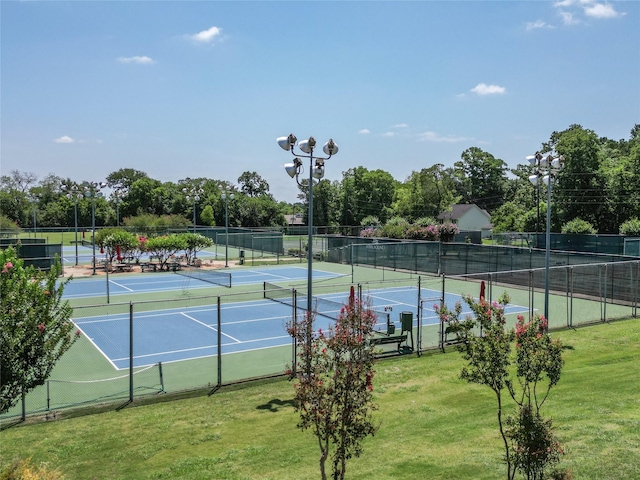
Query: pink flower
41	327
46	292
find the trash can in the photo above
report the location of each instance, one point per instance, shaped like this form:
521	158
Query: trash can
241	257
406	320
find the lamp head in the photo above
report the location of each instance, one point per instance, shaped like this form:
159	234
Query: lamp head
291	169
330	148
318	172
284	143
533	179
307	146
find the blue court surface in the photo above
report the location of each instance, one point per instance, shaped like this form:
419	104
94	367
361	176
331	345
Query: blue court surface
85	254
180	334
122	283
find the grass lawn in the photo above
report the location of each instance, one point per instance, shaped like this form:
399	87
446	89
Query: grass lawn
432	425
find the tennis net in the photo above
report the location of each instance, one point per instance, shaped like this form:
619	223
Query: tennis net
322	306
207	275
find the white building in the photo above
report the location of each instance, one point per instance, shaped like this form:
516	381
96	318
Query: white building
469	217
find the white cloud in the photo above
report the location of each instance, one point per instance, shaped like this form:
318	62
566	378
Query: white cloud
364	131
537	24
568	18
389	134
435	137
206	36
64	139
141	60
601	10
400	125
570	10
484	89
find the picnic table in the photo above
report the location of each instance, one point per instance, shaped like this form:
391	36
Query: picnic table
122	267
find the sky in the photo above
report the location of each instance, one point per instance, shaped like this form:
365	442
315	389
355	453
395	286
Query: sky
203	88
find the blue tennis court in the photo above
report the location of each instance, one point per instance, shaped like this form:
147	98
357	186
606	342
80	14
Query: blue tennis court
180	334
119	284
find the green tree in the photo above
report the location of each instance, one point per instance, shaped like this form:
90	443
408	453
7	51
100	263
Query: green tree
333	389
194	243
124	178
577	225
579	191
426	193
631	228
207	216
366	192
35	326
526	362
117	242
165	246
252	184
481	178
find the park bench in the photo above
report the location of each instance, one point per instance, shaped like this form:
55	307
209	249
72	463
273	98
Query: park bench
122	267
174	266
390	337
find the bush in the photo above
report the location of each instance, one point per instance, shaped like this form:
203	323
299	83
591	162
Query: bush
396	227
23	470
370	221
631	228
8	226
448	231
577	225
371	232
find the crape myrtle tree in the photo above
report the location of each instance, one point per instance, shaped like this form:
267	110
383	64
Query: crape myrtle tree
333	389
35	326
524	362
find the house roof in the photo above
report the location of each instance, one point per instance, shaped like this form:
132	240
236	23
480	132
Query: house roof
458	210
296	219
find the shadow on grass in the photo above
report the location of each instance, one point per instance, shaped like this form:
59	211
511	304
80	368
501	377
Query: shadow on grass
275	405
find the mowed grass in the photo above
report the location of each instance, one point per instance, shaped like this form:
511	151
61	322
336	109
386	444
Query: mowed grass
432	425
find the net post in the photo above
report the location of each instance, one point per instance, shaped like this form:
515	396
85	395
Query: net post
219	348
130	352
419	315
294	343
570	316
48	396
161	375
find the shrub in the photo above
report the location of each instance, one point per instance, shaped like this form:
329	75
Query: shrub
631	228
447	231
24	470
425	222
396	227
370	221
577	225
371	232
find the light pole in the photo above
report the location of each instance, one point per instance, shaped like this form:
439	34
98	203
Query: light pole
117	199
74	192
316	170
92	190
34	197
227	194
193	193
546	168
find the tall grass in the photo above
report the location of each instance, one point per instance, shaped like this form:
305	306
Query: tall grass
432	425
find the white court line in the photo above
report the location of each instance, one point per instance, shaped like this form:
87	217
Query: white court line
209	326
120	285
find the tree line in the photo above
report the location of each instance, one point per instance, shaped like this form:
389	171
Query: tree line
598	187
